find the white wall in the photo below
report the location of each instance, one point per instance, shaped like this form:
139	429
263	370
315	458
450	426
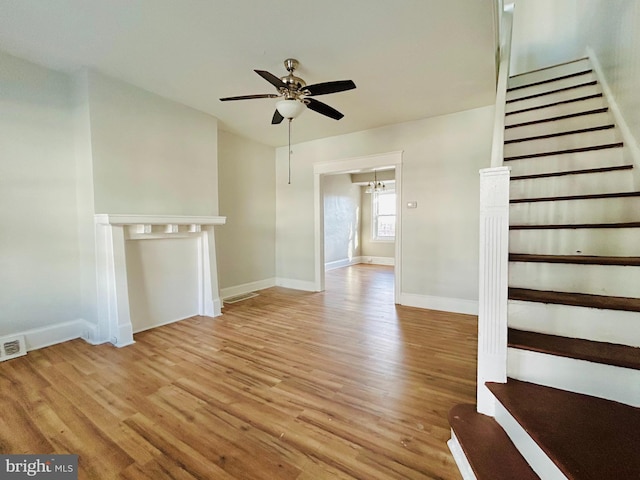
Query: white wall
342	216
150	155
441	159
39	252
246	243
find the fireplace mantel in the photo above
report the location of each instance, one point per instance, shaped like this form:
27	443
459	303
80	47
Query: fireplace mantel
112	233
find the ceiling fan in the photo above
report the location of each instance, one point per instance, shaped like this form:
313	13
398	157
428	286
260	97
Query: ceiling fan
297	95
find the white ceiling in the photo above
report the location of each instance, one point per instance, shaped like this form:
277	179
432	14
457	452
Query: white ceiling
410	59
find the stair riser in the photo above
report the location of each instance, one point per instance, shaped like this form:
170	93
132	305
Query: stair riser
602	242
603	210
610	280
533	454
554	111
583	184
554	72
577	92
559	126
551	86
568	161
561	143
611	326
604	381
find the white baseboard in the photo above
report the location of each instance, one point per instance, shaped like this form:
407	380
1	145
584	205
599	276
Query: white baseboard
247	288
378	260
60	332
345	262
296	284
446	304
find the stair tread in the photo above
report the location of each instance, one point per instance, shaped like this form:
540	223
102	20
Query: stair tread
560	117
560	134
575	259
488	448
555	104
572	172
551	92
576	299
549	67
587	437
566	151
586	196
551	80
580	349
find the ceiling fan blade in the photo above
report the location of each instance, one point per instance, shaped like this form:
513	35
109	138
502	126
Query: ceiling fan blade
277	118
323	108
330	87
249	97
271	78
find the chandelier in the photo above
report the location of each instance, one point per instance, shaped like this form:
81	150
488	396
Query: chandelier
375	186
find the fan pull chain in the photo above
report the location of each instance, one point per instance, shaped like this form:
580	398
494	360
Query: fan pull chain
290	151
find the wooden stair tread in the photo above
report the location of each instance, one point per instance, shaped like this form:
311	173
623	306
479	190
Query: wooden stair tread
560	134
551	80
488	449
556	226
566	151
572	172
575	259
549	67
551	92
575	299
588	438
555	104
588	196
580	349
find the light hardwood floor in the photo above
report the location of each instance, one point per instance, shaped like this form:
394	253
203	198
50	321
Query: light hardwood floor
288	385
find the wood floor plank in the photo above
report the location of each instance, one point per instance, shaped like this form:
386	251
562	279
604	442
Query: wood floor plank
290	385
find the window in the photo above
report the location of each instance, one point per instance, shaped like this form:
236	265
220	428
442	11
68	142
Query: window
384	215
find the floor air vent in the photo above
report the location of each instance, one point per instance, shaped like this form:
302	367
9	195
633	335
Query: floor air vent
12	347
239	298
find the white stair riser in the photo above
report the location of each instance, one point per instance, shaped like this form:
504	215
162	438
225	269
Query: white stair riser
601	210
599	380
554	72
528	448
610	280
611	326
561	143
581	241
551	86
553	98
554	111
608	157
559	126
582	184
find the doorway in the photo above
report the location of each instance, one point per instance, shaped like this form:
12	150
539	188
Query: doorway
356	165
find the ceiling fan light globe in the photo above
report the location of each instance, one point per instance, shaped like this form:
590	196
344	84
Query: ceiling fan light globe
290	108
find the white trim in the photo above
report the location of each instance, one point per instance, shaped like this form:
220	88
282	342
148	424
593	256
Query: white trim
60	332
345	262
377	260
247	288
501	90
630	142
349	165
596	379
532	453
296	284
120	219
460	458
445	304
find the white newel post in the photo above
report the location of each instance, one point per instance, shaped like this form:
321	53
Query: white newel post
494	257
112	233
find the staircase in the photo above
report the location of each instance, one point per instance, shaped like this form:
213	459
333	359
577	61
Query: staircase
570	406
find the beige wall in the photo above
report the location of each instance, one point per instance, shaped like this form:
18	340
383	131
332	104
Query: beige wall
441	159
342	216
246	243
